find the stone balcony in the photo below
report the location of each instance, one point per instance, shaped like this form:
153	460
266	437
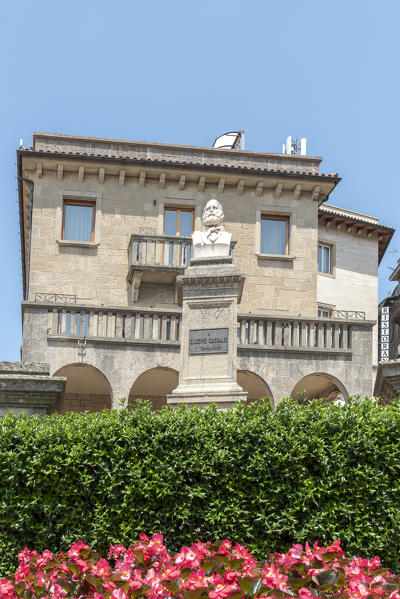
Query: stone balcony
156	259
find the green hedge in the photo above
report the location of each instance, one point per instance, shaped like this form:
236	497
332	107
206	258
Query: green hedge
266	478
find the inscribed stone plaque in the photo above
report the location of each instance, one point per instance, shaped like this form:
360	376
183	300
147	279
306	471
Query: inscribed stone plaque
208	341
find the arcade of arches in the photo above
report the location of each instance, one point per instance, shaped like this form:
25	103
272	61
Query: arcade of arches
88	389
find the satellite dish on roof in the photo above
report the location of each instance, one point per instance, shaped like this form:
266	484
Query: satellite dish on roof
232	140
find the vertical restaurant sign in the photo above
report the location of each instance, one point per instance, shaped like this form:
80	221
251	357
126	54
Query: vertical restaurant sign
384	335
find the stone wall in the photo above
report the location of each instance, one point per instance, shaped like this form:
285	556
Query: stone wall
123	363
80	402
353	284
98	271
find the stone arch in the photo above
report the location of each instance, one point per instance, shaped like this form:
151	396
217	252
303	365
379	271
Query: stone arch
154	385
255	386
319	385
87	389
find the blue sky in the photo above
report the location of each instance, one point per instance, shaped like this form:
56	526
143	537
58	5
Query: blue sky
184	71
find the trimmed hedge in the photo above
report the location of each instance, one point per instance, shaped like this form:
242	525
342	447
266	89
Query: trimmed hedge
267	478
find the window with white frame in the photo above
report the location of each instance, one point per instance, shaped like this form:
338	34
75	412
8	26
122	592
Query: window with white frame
325	258
324	312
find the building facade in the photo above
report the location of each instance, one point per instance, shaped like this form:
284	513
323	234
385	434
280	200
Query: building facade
387	384
106	229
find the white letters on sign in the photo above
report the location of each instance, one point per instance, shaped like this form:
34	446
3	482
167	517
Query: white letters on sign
385	334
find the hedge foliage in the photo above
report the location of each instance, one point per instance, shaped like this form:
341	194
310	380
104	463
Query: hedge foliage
263	477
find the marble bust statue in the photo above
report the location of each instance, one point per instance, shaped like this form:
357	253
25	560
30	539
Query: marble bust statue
213	240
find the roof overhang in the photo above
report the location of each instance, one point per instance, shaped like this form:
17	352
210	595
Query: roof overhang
357	224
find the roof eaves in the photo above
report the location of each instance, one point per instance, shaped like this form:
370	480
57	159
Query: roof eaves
201	166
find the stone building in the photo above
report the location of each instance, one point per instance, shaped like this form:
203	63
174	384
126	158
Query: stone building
106	230
387	384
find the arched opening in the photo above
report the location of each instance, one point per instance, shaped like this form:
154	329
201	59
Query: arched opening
319	385
154	385
87	390
255	386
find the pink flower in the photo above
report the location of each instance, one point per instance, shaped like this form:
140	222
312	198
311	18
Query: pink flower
305	593
221	591
6	589
82	565
118	594
102	568
57	592
76	548
44	558
170	572
336	548
231	576
189	557
22	572
226	547
24	556
196	580
296	551
116	550
41	580
357	590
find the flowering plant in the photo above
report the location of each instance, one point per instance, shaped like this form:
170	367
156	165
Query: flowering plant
204	570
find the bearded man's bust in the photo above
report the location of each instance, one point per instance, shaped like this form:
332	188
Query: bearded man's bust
214	241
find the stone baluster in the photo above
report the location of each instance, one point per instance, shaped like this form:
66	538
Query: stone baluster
146	326
287	334
72	328
110	331
329	335
54	323
344	336
349	336
119	325
295	334
336	336
100	324
156	327
260	332
252	332
268	333
173	334
63	322
92	328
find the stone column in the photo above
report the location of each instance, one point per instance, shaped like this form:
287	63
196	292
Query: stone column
209	292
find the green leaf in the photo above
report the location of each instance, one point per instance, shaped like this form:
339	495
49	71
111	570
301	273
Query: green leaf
255	587
246	583
327	577
171	585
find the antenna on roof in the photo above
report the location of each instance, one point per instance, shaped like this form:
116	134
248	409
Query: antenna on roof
21	142
293	146
232	140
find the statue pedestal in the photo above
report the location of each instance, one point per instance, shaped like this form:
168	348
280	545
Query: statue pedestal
209	292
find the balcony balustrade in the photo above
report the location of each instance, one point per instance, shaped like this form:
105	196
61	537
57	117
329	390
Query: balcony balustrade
304	335
115	325
160	251
153	326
